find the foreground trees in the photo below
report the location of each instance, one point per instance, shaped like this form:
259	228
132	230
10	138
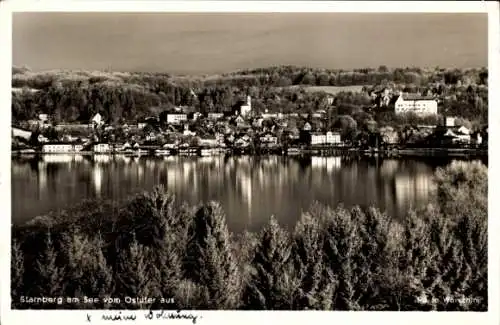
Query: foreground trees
339	259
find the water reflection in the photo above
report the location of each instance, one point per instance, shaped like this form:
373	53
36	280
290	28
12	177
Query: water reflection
97	178
249	188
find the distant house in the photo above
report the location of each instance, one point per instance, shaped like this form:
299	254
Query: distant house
194	116
463	135
220	139
215	116
187	132
385	97
332	137
208	142
242	143
97	120
381	96
246	109
171	145
126	146
449	121
58	148
141	125
417	104
476	138
258	122
318	138
463	130
101	147
42	139
269	139
239	120
319	114
479	138
43	120
17	132
268	115
176	118
458	135
151	136
389	135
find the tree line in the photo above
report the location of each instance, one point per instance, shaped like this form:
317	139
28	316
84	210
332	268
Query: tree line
292	75
75	96
334	259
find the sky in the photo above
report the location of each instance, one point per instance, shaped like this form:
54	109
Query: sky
207	43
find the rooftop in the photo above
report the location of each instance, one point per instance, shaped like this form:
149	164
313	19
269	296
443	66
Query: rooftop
416	97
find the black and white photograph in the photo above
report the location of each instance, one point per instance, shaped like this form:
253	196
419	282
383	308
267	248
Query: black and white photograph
249	161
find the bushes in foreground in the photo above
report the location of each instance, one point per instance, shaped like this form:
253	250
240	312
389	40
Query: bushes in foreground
334	259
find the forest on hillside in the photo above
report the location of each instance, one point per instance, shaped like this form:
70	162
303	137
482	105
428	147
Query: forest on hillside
74	96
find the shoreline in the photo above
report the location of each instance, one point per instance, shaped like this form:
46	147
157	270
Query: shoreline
407	152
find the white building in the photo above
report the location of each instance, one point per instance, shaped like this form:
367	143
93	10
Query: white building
267	115
318	138
97	120
220	139
332	137
461	135
319	113
464	130
479	139
17	132
208	142
247	108
328	138
176	118
415	104
42	139
196	115
43	120
102	147
215	116
57	148
269	139
449	122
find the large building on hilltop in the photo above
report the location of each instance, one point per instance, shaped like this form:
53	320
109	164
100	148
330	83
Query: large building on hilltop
420	105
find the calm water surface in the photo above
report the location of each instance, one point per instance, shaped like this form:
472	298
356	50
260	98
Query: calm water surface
249	188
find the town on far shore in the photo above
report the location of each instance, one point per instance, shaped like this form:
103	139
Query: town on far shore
243	130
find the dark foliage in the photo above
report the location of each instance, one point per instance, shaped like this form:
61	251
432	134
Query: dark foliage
334	259
77	96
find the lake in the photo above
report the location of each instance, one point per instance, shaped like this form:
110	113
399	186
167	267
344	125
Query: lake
250	189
